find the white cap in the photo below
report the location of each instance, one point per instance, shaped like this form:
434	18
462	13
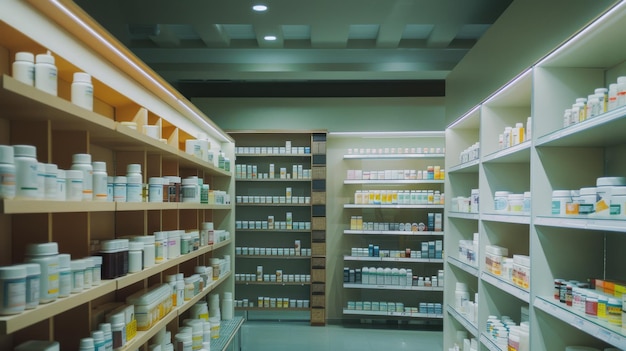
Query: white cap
82	77
24	56
99	166
50	248
25	150
119	180
45	58
155	180
133	168
81	158
86	343
6	154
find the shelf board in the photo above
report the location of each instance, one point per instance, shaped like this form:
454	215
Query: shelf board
488	342
390	156
597	328
270	309
273	283
519	153
275	230
13	323
604	130
464	215
256	257
392	181
506	286
394	206
506	218
188	304
467	167
45	206
595	223
240	204
273	155
469	326
473	270
228	330
272	180
391	314
391	232
133	278
28	103
393	259
392	287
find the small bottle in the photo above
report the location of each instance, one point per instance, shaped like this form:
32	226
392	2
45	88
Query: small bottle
61	185
119	189
46	73
25	159
74	185
87	344
529	129
24	68
50	181
41	180
108	336
518	133
78	275
98	340
621	91
100	181
612	103
110	187
133	183
155	189
82	162
7	173
82	91
65	275
135	257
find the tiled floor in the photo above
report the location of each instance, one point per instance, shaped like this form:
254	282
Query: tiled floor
299	336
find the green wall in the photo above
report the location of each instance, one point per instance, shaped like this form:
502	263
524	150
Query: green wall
332	114
526	31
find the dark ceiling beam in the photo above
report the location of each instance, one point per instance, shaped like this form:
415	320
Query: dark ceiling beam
303	89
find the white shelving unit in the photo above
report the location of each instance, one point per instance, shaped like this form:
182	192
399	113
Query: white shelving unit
567	247
386	153
391	314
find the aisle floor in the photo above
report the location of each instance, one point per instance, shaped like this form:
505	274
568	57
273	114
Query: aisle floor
300	336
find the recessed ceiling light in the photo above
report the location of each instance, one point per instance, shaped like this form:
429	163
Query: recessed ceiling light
259	8
270	37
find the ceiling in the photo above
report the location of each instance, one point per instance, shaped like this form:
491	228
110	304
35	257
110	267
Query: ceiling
365	47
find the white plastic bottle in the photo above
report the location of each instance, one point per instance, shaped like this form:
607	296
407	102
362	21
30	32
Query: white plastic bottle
7	173
65	275
133	183
100	192
41	180
82	162
25	158
46	255
87	344
621	91
119	189
73	185
24	68
98	340
50	182
61	185
82	91
612	97
46	73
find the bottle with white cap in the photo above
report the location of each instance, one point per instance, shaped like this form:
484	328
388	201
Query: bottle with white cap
24	68
82	91
82	162
25	159
7	173
98	340
133	183
46	73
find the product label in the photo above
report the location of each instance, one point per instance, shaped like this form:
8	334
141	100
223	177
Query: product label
615	209
32	289
556	207
585	209
14	294
7	185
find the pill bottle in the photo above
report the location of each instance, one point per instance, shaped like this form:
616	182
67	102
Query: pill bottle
133	183
98	340
527	203
110	187
501	201
50	181
61	185
108	335
516	202
173	244
65	275
82	162
74	185
612	103
149	251
12	289
108	252
118	330
33	277
189	190
41	180
135	257
560	198
25	159
155	189
46	255
100	181
78	275
621	91
96	278
24	68
160	246
87	281
119	189
46	73
7	173
618	202
82	91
